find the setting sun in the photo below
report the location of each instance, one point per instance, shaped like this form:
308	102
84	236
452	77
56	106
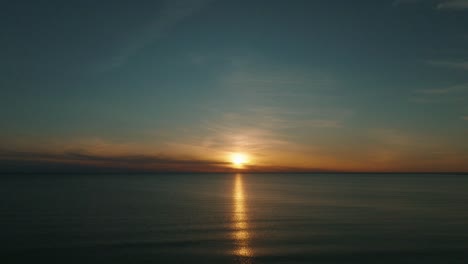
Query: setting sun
239	159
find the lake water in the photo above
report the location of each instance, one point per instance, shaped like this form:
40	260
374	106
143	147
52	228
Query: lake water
234	218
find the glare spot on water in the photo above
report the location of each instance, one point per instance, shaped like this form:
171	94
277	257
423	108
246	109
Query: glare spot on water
244	252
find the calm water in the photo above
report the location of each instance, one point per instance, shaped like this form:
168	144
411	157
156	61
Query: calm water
234	219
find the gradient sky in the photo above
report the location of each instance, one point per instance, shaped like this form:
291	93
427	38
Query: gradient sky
365	85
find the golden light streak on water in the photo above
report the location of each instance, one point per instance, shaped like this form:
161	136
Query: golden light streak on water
241	233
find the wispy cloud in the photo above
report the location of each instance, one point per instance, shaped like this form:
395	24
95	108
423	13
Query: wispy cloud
266	82
445	90
437	4
273	109
172	13
266	134
79	161
460	65
453	5
402	2
396	149
451	94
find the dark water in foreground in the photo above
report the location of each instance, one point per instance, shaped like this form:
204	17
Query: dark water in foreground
234	219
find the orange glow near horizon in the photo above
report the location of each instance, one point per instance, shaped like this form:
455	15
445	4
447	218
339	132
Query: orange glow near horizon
103	155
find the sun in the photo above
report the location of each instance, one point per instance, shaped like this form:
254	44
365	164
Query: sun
239	159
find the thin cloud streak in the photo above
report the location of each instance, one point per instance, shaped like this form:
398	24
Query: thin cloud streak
449	94
446	90
77	162
439	5
402	2
134	162
460	65
83	156
173	12
453	5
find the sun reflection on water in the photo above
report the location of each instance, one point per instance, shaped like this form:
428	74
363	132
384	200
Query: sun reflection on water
241	233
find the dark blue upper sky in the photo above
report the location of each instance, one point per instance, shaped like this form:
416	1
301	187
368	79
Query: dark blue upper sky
355	85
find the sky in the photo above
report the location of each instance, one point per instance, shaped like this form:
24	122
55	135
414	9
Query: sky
182	85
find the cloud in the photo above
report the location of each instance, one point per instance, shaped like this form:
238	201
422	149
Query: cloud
268	109
85	157
12	162
173	12
82	161
453	5
269	136
446	90
451	94
396	149
460	65
266	84
437	4
454	93
401	2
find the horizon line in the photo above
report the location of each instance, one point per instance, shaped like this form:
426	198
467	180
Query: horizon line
232	172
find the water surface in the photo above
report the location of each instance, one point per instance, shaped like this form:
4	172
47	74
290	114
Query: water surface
234	218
